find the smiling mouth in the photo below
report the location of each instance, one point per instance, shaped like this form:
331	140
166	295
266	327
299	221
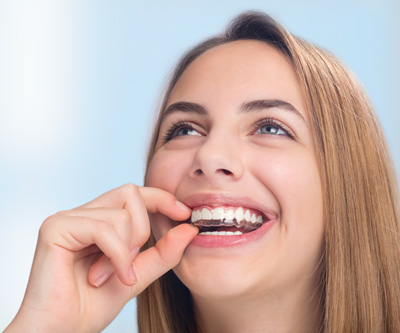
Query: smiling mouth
223	221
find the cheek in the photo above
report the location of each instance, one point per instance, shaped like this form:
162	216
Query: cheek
166	170
293	178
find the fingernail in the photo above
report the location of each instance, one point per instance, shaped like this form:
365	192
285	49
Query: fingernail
183	206
100	280
134	252
132	275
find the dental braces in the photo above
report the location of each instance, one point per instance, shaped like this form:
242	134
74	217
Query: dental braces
247	225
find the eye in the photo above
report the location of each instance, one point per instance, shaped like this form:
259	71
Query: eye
272	127
186	131
180	128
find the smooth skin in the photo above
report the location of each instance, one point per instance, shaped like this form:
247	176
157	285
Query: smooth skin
220	150
87	267
265	154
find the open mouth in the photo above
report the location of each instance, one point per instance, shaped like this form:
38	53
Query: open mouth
223	221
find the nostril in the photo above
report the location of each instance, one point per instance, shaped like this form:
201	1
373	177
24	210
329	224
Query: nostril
226	172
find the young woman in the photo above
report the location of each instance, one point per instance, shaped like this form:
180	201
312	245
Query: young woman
271	198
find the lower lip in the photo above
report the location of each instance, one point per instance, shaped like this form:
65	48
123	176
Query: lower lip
214	241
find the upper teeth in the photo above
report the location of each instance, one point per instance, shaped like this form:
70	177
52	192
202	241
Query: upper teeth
220	213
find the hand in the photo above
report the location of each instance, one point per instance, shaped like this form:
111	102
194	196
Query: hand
87	267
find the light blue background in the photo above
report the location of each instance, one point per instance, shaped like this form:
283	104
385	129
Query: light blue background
80	81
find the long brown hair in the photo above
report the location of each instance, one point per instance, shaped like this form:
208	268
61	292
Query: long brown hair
361	260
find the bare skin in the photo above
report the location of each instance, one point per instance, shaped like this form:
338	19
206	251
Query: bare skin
244	139
249	145
87	267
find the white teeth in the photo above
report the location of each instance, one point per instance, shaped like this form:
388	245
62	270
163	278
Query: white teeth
218	213
221	233
247	216
239	214
196	215
228	216
206	214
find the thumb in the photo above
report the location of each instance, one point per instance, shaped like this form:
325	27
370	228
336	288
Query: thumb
165	255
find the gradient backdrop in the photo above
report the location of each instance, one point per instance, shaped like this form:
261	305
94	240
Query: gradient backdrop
80	81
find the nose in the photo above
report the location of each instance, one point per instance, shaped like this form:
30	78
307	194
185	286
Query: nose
217	158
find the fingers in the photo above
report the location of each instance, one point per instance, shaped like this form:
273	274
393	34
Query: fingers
117	222
120	219
102	269
75	233
157	200
165	255
139	201
152	263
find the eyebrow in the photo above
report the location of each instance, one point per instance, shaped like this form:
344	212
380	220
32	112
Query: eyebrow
256	105
261	104
184	107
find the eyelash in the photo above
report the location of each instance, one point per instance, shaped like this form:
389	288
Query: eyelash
169	135
174	127
271	121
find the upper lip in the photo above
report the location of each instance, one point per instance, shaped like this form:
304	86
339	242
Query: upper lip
228	199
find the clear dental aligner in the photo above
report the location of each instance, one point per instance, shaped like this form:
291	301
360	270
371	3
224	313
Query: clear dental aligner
240	218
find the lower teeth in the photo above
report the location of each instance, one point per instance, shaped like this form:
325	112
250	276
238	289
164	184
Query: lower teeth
221	233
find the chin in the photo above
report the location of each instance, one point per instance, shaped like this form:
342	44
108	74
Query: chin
214	280
223	274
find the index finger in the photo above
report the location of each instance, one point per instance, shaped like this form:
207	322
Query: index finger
138	201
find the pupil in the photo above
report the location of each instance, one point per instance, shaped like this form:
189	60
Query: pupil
184	131
270	129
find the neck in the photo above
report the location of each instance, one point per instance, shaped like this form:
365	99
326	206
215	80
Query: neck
288	311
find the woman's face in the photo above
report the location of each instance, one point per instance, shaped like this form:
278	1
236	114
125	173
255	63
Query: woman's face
236	137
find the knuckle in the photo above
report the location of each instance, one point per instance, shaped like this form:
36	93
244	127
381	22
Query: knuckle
164	258
130	189
47	227
170	257
129	192
168	237
62	212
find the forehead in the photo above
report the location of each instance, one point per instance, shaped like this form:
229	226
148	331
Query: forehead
239	71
